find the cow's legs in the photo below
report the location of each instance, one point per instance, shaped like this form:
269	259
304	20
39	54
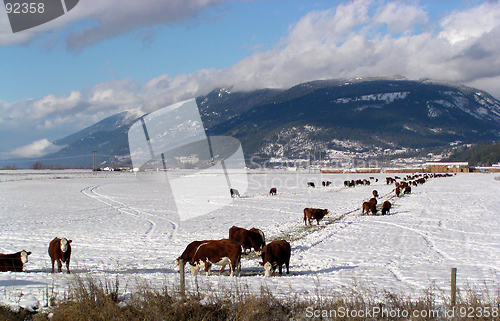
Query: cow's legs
208	265
59	266
67	266
53	261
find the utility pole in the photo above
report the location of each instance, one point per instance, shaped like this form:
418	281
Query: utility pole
94	163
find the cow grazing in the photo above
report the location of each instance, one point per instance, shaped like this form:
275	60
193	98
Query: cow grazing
407	190
398	192
275	254
369	207
13	262
373	200
248	239
234	192
188	253
375	193
220	252
273	191
386	207
314	214
60	251
310	184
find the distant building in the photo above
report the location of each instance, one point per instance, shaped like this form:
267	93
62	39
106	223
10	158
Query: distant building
447	167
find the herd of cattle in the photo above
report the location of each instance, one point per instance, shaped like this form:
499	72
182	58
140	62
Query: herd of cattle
203	254
59	250
401	187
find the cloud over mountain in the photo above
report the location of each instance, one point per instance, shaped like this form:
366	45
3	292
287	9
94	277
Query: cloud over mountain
358	38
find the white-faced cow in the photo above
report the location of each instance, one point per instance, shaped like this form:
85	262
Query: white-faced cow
375	193
60	251
273	191
275	254
13	262
248	239
189	252
314	214
220	252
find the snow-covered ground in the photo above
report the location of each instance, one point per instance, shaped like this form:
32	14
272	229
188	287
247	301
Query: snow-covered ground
127	229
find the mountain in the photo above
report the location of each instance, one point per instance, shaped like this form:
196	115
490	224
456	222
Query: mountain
363	117
480	154
107	137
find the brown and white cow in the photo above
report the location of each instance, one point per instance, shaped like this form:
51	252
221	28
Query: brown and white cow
375	193
386	207
219	252
248	239
275	254
13	262
60	251
189	252
314	214
273	191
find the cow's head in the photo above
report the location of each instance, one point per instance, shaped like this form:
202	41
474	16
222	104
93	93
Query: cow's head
195	268
269	269
178	263
24	256
65	244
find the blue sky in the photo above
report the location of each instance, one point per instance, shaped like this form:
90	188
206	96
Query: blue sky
104	57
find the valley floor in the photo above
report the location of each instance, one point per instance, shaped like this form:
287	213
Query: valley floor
127	230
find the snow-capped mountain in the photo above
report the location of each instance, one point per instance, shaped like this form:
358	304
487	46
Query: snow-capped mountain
363	117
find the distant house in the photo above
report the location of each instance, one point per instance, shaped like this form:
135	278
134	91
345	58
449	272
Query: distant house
447	167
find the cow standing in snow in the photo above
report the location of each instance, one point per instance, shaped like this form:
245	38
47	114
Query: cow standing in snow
60	251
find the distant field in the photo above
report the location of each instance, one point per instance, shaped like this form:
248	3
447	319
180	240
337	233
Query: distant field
128	230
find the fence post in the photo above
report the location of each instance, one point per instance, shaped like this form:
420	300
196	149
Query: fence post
183	280
453	286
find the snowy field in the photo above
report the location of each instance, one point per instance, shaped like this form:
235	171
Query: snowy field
127	229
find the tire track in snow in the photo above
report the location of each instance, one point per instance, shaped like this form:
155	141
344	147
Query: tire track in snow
91	191
428	239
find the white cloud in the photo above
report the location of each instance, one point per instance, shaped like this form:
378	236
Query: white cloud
400	17
36	149
51	104
471	23
345	41
111	18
